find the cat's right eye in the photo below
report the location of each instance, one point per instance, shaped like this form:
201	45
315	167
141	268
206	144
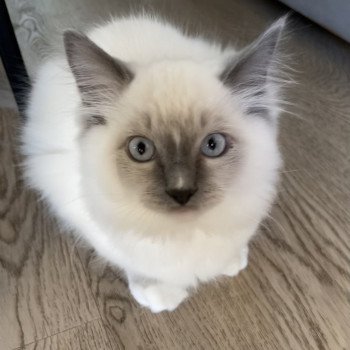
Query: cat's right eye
141	149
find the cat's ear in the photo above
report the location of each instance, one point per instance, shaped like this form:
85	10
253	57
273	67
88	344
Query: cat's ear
253	73
98	75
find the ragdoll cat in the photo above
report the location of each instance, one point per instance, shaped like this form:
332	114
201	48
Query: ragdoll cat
159	149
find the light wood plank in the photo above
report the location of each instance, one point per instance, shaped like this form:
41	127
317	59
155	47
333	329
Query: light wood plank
90	336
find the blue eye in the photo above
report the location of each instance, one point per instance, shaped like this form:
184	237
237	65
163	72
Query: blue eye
214	145
141	149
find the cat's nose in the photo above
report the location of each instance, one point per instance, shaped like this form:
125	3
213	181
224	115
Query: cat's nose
182	196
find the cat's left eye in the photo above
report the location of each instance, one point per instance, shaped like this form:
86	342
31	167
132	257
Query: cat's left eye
214	145
141	149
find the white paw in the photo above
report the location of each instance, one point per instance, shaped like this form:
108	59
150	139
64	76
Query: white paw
239	263
158	297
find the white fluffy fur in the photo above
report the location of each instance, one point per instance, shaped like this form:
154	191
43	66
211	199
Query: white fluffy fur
162	255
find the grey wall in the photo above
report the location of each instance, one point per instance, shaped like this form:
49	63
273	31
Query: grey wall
334	15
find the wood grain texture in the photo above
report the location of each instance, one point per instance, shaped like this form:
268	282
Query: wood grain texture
295	293
89	336
43	288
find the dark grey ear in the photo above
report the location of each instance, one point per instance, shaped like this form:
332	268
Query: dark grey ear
98	75
255	68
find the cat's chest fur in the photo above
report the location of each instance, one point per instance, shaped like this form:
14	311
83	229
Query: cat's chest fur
200	257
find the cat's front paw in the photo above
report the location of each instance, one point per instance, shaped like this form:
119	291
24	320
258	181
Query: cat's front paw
157	296
238	264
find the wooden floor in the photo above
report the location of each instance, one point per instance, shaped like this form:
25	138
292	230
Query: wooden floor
295	293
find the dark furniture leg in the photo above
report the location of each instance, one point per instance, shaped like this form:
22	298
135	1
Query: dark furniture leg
12	59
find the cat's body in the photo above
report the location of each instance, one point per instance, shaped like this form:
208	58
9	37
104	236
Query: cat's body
172	90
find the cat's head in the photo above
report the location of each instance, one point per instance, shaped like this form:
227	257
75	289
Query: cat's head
178	136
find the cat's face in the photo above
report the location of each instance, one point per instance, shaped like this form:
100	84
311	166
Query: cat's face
178	162
169	151
177	136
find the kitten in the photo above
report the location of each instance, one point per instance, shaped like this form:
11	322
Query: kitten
159	149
